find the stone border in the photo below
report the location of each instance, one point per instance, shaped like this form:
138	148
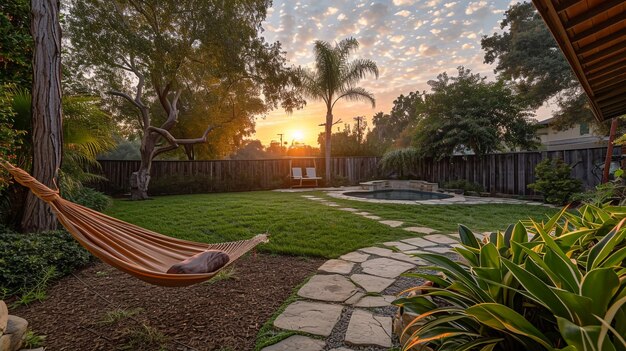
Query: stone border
456	199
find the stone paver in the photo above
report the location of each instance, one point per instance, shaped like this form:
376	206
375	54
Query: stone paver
393	224
337	266
363	213
421	230
406	258
371	283
349	209
354	298
379	251
376	218
419	242
355	256
297	342
368	329
385	267
439	249
375	301
400	245
331	288
310	317
440	239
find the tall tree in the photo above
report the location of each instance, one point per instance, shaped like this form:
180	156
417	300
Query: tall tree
46	110
334	79
174	58
467	112
388	128
527	56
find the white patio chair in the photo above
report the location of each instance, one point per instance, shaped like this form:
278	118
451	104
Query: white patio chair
311	174
296	175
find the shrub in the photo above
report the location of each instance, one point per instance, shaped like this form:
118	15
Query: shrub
464	185
554	181
89	197
399	163
536	286
25	259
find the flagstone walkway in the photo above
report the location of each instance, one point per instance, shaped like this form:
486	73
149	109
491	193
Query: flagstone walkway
347	304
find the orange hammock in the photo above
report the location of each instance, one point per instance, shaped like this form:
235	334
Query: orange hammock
142	253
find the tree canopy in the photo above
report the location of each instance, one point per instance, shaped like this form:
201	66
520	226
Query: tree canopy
389	128
527	56
467	112
183	67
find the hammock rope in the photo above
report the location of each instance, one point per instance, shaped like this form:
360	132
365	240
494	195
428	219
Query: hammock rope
142	253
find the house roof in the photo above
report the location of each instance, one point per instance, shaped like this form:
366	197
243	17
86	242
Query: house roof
592	35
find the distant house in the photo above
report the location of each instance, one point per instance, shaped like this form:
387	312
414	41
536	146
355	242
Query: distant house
580	136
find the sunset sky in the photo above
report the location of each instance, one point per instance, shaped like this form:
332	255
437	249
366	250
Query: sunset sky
411	41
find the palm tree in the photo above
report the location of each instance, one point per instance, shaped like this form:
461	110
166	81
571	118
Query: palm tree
335	78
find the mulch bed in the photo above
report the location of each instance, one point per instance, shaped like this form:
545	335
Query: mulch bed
223	315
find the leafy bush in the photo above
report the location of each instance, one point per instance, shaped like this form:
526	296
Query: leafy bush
464	185
558	285
554	181
399	163
88	197
25	259
613	192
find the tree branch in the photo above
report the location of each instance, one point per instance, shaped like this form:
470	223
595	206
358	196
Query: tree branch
125	96
177	142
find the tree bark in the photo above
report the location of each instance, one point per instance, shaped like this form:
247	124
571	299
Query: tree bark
140	179
46	111
327	146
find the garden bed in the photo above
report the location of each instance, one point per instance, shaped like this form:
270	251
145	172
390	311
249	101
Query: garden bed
103	309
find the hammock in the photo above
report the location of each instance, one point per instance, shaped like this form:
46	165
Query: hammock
140	252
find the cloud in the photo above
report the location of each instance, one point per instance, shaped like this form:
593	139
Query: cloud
396	38
426	50
403	13
403	2
475	6
331	11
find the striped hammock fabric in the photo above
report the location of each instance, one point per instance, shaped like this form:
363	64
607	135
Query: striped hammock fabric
137	251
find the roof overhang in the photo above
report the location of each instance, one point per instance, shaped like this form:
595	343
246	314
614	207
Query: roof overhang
592	35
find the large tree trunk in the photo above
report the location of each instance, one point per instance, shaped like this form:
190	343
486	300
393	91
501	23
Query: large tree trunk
140	179
46	109
327	146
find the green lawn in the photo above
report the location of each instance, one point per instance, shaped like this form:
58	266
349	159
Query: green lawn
303	227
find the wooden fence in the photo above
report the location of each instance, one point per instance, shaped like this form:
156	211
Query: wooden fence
184	177
506	173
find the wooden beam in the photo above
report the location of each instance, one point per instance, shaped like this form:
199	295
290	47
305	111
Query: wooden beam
591	13
566	4
599	27
604	71
604	63
610	86
620	34
611	93
605	52
610	81
619	99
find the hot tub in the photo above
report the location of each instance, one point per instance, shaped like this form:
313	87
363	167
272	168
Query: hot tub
398	194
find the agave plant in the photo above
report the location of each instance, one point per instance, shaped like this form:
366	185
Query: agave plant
553	285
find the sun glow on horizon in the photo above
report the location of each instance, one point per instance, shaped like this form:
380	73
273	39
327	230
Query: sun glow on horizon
297	135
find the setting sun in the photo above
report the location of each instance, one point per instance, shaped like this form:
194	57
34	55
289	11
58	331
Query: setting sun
297	135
